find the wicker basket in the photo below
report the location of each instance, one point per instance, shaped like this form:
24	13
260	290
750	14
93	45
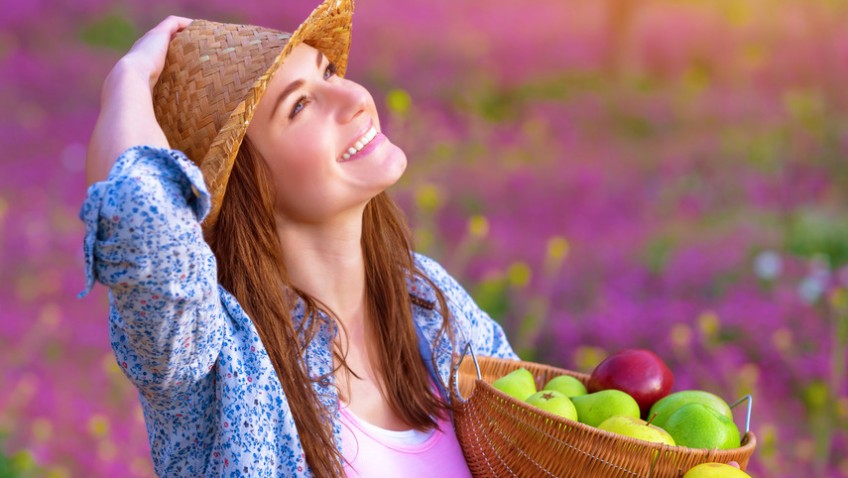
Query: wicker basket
504	437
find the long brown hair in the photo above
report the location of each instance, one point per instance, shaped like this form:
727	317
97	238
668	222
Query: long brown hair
251	267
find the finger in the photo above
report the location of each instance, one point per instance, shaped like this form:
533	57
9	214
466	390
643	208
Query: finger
172	24
164	32
733	464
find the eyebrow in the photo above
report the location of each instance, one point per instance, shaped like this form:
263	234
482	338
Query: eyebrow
294	85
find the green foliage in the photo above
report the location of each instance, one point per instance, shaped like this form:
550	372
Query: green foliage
813	233
110	31
657	253
20	465
491	296
498	104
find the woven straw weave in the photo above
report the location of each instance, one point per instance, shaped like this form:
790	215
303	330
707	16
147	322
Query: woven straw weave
501	436
216	73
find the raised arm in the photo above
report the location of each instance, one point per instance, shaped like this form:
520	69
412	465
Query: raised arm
144	241
126	113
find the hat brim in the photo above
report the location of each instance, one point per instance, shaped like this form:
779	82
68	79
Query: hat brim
328	29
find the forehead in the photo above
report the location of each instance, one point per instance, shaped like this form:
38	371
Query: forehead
301	59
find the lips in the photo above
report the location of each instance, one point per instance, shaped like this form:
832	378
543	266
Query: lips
359	144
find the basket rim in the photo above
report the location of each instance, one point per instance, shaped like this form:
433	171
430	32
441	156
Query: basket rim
748	441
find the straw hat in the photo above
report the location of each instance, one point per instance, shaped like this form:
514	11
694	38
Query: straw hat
216	73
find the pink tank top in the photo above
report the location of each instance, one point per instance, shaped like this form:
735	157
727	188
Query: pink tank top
374	452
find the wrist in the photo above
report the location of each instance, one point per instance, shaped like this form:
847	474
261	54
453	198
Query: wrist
128	76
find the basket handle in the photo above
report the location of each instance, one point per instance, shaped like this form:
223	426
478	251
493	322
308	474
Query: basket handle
750	401
468	349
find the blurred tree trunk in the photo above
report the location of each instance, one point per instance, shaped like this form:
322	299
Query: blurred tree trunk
620	15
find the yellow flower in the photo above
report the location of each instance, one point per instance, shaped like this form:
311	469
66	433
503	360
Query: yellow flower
519	274
428	197
681	335
558	248
478	226
98	425
398	101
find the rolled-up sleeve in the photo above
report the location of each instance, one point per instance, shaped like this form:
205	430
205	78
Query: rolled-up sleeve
143	240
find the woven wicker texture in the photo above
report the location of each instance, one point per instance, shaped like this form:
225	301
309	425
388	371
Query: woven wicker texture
505	437
216	73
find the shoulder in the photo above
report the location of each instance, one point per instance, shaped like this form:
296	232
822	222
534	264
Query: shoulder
470	322
454	292
429	266
438	275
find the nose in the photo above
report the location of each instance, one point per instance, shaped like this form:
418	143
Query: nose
351	99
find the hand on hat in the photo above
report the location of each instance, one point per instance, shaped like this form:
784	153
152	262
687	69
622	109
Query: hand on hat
147	54
126	112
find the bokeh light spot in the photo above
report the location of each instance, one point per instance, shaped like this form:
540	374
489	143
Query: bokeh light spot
767	434
58	472
748	376
782	339
106	450
141	467
398	101
50	316
708	323
586	358
816	395
23	460
98	425
111	367
519	274
428	197
558	248
838	299
424	238
842	408
42	429
681	335
804	449
478	226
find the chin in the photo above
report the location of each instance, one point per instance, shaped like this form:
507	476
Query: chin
393	168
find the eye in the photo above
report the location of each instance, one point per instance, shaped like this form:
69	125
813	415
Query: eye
330	71
298	106
301	103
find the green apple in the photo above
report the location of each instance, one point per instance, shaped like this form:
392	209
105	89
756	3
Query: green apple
553	402
697	426
636	428
594	408
518	383
567	385
671	403
715	470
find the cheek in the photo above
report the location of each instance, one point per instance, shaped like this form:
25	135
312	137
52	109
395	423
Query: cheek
300	174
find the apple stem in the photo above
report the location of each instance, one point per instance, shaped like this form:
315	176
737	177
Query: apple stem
651	419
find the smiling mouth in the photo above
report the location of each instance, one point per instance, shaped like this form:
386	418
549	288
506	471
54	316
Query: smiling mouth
361	143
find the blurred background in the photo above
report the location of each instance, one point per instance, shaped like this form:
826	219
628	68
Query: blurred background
604	174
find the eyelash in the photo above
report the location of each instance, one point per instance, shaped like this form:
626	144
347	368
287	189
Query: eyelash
301	102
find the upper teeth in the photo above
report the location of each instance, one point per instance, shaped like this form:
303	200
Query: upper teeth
365	139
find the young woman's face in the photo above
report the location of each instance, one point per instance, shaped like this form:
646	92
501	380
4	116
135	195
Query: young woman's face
320	137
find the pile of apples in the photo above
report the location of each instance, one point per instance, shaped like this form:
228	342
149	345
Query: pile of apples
630	393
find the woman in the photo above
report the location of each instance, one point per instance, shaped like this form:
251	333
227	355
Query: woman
264	296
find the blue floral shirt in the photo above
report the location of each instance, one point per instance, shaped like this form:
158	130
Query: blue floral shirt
212	402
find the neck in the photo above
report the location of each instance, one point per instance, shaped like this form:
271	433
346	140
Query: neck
326	261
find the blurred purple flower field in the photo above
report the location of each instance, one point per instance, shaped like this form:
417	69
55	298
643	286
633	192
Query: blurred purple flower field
663	174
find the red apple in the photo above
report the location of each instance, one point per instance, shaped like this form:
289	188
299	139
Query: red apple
639	373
